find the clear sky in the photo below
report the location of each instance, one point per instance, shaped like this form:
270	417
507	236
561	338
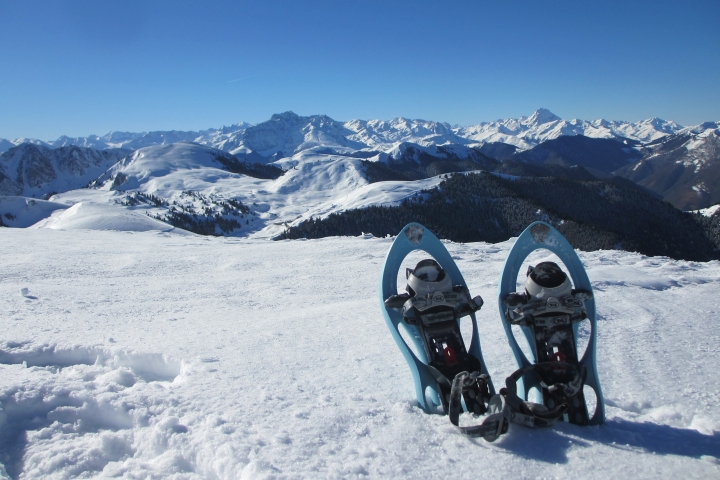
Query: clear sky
89	67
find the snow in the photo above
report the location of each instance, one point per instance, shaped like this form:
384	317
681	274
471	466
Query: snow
386	135
705	128
22	212
89	216
288	133
155	355
314	185
710	211
374	194
543	125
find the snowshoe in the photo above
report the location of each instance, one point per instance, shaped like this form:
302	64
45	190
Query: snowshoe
446	373
549	313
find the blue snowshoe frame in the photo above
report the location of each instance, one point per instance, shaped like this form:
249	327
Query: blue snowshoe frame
537	236
416	237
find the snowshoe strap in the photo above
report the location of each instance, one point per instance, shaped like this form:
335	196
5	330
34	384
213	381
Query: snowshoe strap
458	299
397	301
473	387
531	414
559	378
474	390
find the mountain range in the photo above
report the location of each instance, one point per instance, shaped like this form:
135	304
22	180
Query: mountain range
683	168
261	180
288	133
660	155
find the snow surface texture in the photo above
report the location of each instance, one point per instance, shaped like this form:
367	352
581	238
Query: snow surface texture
155	355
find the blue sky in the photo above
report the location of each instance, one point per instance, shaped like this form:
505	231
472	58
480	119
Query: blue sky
89	67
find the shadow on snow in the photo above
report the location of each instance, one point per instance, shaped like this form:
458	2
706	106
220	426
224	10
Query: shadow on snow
552	445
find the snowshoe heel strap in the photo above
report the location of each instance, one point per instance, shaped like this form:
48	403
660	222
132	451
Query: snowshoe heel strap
474	388
455	405
536	415
492	427
531	414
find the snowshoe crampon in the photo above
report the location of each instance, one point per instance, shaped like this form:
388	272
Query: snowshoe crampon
549	313
436	298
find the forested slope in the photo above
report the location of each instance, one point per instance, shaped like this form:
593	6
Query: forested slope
596	214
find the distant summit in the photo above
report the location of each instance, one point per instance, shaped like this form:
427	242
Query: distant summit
541	116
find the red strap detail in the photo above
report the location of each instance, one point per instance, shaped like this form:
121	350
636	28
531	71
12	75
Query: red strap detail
450	356
558	356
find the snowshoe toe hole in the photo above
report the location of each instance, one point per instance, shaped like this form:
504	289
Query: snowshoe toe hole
583	337
522	341
432	400
590	399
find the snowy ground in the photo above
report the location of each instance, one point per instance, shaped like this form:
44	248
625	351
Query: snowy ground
153	355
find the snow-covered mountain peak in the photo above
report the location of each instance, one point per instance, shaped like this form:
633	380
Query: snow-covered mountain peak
291	119
541	116
34	141
704	128
421	127
149	163
660	125
119	137
288	133
236	127
284	116
656	121
385	135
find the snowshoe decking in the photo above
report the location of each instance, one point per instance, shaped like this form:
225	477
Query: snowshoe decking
430	313
549	315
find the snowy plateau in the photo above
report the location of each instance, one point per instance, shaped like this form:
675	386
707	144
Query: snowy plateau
132	348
